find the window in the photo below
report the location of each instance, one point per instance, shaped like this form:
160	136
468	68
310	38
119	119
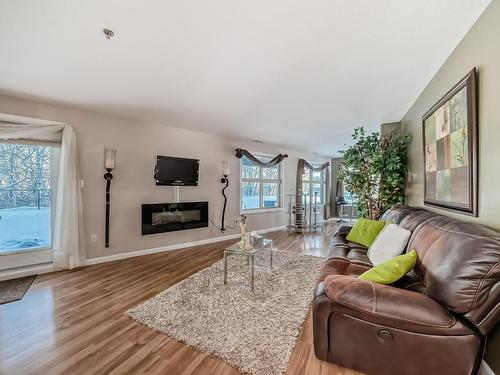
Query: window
350	198
26	181
314	182
260	186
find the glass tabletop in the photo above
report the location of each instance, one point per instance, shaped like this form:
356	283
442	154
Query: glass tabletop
236	249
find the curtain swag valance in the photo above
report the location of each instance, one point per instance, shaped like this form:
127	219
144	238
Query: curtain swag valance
274	161
305	164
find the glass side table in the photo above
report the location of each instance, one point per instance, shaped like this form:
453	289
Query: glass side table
266	245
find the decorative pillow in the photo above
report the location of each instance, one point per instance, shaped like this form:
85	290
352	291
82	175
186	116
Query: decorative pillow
391	241
365	231
392	270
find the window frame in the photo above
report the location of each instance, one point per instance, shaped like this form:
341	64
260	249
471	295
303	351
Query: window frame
261	181
310	181
42	254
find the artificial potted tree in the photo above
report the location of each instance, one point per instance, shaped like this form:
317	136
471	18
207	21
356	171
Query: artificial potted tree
374	169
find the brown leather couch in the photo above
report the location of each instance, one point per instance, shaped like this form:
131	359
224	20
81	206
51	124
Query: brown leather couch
432	321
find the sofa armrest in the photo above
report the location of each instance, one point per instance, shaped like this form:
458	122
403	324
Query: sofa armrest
387	304
343	230
322	307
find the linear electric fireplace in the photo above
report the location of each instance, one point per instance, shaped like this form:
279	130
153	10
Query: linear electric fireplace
169	217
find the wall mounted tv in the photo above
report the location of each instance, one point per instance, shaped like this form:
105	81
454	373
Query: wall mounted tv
172	171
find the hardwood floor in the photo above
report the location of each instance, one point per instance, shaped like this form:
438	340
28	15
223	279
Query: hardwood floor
73	322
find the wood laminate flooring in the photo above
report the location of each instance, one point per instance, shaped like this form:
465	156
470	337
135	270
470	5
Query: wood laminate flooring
73	322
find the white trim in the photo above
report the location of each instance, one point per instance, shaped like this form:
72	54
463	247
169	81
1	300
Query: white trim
280	181
5	117
25	250
21	259
27	271
484	369
131	254
31	142
261	210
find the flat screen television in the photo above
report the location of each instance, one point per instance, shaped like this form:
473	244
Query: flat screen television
172	171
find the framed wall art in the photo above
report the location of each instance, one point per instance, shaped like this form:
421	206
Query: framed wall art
450	138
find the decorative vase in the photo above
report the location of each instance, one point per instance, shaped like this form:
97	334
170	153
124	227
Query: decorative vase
244	238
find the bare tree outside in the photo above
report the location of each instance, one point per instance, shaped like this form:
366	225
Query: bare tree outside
25	198
260	186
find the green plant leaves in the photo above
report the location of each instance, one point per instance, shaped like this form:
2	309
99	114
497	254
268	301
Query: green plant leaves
374	169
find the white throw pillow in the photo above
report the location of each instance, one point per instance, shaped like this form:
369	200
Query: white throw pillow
389	243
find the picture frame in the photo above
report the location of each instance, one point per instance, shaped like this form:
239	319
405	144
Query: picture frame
450	145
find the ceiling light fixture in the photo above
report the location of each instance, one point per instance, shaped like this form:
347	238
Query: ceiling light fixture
108	33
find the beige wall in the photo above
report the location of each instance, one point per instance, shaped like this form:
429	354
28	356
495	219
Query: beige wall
387	128
479	48
138	145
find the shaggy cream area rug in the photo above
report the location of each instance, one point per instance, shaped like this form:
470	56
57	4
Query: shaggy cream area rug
254	332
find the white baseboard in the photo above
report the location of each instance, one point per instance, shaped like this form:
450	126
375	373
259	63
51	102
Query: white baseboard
131	254
485	369
27	271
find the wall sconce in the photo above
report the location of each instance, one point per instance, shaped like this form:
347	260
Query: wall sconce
224	180
109	165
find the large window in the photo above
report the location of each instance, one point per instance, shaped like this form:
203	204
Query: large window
25	196
314	182
350	198
260	186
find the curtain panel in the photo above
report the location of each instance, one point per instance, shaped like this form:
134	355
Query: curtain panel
274	161
301	166
68	224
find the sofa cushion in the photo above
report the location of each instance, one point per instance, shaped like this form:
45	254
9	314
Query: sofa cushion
338	251
399	213
459	263
340	247
411	282
344	230
350	245
396	307
413	220
359	256
338	266
350	251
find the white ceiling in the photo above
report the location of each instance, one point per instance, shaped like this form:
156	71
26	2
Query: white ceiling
291	72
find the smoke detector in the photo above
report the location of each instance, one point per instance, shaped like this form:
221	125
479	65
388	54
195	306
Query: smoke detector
108	33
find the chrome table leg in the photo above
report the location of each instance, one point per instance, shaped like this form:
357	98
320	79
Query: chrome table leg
225	268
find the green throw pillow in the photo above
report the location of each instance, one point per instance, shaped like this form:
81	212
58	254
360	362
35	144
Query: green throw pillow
392	270
365	231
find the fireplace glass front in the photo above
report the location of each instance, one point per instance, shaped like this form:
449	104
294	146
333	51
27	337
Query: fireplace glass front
168	217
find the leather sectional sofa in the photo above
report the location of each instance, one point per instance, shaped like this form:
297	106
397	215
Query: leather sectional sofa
432	321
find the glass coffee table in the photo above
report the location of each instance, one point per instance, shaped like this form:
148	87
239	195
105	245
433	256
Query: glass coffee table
266	245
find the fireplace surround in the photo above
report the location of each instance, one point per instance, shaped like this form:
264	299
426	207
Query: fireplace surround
169	217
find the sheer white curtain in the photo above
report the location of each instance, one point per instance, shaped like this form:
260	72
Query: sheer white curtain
68	223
